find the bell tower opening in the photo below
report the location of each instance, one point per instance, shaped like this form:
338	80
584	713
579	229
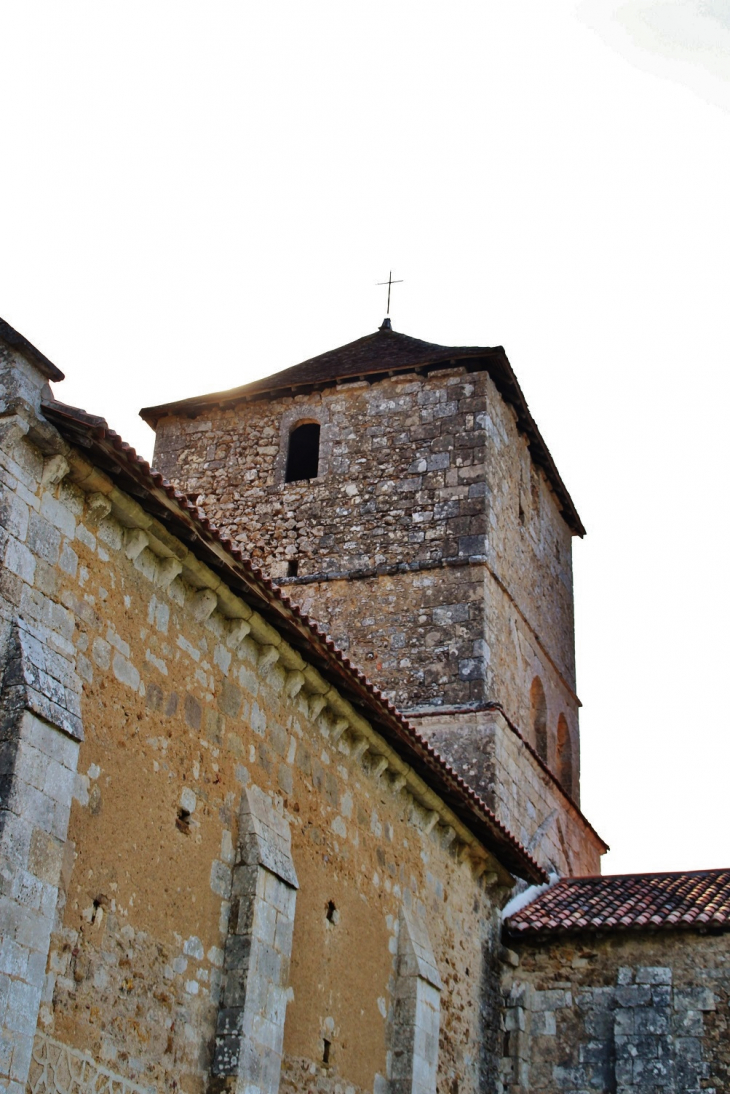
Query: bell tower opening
302	460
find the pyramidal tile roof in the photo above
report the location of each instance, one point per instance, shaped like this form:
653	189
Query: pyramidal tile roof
384	351
374	357
694	900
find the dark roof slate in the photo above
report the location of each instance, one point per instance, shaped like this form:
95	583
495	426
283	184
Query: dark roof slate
382	352
377	355
695	900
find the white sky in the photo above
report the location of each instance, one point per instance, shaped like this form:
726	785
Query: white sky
197	194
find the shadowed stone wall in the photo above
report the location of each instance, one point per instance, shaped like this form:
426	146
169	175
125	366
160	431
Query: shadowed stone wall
627	1012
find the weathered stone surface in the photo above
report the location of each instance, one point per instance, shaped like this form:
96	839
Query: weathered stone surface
250	1024
415	471
171	770
415	1031
146	879
635	1012
487	752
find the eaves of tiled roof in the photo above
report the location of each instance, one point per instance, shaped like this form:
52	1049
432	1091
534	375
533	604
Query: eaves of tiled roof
694	900
19	342
133	475
374	357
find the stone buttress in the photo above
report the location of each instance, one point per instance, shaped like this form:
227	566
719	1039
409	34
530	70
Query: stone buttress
250	1023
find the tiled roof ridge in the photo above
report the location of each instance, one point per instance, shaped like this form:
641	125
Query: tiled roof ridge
99	427
644	874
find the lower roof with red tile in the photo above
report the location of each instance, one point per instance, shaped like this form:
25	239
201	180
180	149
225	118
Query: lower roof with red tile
695	900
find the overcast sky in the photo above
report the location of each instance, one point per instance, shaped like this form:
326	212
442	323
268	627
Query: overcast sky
197	194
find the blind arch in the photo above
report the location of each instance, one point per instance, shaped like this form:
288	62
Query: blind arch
538	707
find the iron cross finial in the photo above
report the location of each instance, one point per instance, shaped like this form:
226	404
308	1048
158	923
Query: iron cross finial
390	282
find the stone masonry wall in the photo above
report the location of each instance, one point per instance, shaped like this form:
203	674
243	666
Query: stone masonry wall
412	633
627	1012
182	708
40	726
491	756
529	546
400	466
428	521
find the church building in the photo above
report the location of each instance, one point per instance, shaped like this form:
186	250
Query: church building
290	785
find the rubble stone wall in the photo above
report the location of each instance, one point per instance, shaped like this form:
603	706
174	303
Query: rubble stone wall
183	707
401	462
630	1012
412	633
529	545
430	544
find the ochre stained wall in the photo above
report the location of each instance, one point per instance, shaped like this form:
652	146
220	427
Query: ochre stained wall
170	710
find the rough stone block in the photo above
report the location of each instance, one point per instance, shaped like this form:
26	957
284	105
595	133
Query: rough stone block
653	975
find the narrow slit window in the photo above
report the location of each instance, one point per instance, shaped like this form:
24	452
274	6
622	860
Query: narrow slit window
302	461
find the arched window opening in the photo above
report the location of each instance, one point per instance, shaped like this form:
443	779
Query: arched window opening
565	756
302	461
538	706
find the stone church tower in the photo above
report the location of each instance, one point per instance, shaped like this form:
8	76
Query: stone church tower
402	491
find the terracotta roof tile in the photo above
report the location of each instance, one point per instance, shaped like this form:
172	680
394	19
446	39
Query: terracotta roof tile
700	898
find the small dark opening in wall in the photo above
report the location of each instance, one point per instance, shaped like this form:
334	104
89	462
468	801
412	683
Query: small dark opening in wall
326	1045
302	461
331	910
182	821
292	568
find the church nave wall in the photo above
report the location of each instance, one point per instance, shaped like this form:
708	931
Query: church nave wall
183	719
